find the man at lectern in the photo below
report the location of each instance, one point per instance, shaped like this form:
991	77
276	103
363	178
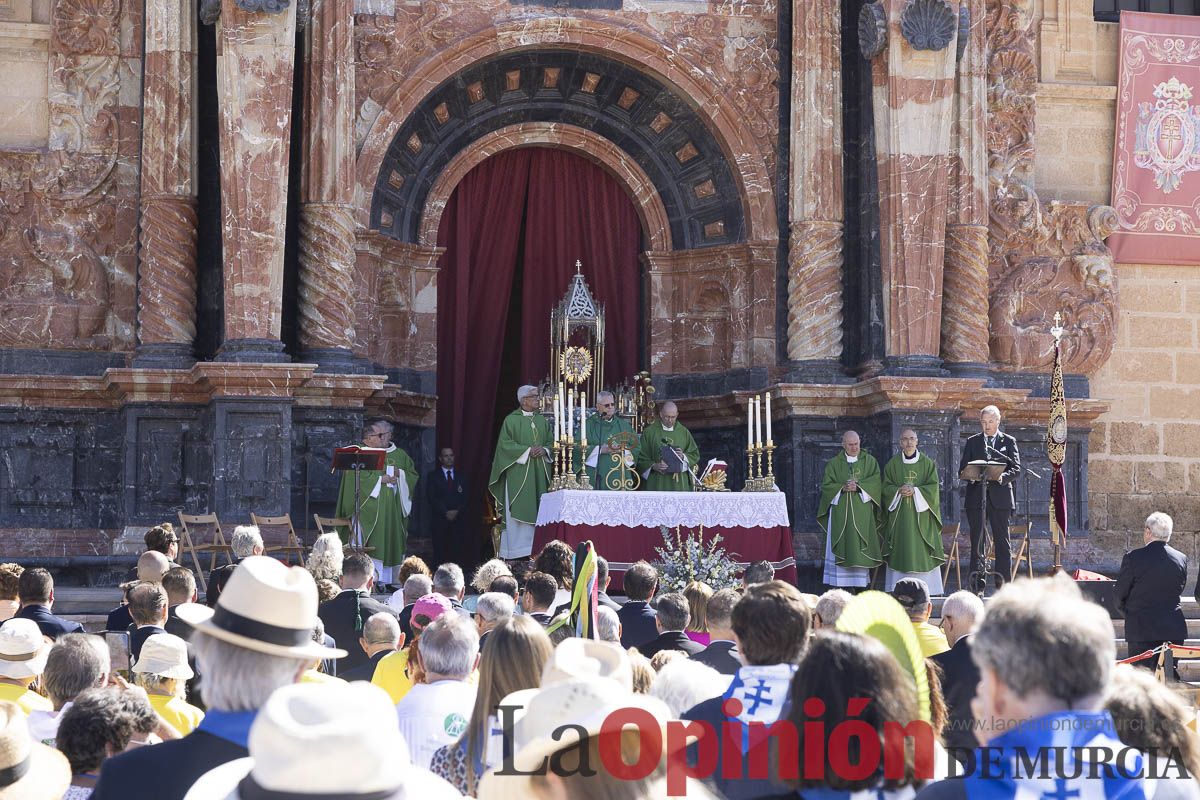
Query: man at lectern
998	447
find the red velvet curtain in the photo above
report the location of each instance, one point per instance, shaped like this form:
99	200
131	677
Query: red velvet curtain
536	210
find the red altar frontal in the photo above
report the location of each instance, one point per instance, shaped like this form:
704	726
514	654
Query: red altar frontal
625	526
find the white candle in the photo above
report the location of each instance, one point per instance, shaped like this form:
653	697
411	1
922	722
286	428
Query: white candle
769	439
758	437
557	417
583	420
571	413
750	422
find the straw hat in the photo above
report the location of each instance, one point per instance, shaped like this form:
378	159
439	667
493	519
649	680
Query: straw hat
23	651
329	740
265	607
29	770
164	654
586	659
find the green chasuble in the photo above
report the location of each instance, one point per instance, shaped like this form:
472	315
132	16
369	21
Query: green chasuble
525	483
384	516
599	430
912	537
853	523
654	436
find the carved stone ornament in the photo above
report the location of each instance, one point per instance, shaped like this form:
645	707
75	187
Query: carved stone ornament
210	10
872	30
964	31
928	24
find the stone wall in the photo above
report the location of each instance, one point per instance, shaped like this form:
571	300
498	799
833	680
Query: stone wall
1144	453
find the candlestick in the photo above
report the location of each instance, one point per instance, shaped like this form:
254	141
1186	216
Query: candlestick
768	418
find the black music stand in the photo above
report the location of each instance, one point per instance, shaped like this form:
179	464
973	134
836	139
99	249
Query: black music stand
357	459
985	471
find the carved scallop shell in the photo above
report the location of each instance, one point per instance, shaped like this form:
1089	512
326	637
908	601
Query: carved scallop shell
964	31
1014	71
928	24
872	30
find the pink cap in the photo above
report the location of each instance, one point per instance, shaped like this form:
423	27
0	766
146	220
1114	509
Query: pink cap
432	605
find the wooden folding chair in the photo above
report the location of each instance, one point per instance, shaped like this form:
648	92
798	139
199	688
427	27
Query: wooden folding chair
953	556
330	524
1021	531
1170	656
279	536
216	546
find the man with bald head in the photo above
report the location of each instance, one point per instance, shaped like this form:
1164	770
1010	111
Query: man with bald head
912	533
661	440
849	515
521	473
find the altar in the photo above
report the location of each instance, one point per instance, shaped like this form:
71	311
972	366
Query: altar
625	526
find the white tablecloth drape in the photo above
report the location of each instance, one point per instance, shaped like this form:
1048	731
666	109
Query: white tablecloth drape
654	509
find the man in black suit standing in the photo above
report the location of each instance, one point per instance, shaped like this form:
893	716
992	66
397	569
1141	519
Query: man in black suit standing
638	625
1149	584
961	615
345	615
672	620
721	653
35	590
991	445
447	493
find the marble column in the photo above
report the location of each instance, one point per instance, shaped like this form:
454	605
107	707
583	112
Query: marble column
965	288
913	87
326	215
255	61
816	208
166	314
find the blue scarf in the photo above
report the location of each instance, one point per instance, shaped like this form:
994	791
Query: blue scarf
232	726
1046	758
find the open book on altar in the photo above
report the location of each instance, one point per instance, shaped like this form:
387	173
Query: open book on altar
673	460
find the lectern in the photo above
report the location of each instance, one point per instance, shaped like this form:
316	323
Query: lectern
985	472
357	459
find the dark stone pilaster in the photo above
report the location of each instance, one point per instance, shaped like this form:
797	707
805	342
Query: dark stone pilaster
167	463
252	457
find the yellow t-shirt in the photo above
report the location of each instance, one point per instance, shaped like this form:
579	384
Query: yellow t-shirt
390	675
182	715
27	699
931	639
316	676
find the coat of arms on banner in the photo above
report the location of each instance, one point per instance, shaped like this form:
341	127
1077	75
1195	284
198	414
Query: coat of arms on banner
1167	140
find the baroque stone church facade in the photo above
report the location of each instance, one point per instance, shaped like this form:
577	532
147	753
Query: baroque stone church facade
218	240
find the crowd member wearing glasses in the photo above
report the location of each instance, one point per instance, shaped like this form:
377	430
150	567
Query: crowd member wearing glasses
602	463
961	615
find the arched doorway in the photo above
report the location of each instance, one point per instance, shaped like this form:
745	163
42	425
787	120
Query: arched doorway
512	231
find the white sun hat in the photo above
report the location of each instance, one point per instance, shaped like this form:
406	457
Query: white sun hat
23	651
164	654
265	607
29	770
324	740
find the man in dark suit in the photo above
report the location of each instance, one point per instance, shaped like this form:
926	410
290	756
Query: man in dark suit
722	652
35	590
258	639
991	445
148	607
672	620
638	626
345	615
381	637
1149	584
447	491
961	614
540	589
602	581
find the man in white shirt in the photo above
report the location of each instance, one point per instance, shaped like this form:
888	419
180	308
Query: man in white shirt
435	713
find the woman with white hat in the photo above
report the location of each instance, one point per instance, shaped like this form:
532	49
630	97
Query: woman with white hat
23	654
29	770
324	740
163	672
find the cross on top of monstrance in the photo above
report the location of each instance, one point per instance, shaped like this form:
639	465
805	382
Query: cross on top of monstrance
577	332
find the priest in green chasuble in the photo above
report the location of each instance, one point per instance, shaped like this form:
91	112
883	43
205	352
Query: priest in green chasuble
650	463
601	462
521	473
912	534
849	514
385	499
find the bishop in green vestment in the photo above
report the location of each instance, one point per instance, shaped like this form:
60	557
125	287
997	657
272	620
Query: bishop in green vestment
912	534
666	430
521	473
602	464
385	497
849	514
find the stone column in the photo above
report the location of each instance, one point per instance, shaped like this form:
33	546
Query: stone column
965	288
166	315
326	215
913	94
816	211
255	59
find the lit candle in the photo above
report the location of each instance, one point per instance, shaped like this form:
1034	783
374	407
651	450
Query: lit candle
769	439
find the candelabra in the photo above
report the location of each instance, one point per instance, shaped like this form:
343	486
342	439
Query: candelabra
757	480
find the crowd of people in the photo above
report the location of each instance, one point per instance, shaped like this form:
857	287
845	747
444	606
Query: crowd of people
289	682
